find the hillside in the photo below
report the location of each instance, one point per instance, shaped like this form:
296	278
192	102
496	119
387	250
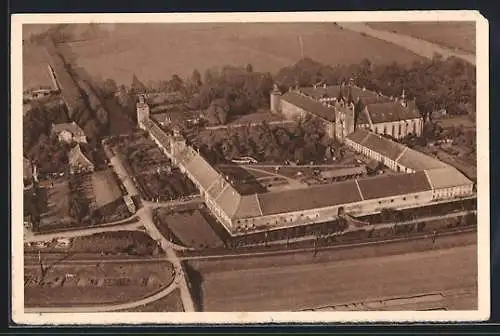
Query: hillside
454	35
157	51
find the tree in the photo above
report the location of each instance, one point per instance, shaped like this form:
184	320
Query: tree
109	88
218	111
196	78
176	83
137	86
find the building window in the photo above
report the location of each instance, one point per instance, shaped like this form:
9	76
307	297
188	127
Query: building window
385	129
414	128
416	196
399	130
393	130
404	198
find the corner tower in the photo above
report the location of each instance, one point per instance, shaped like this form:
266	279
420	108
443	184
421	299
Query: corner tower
344	119
275	98
142	111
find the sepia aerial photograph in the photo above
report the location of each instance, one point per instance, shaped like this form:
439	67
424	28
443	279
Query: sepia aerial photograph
249	166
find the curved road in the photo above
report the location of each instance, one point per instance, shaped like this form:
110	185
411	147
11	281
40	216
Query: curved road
415	45
104	308
82	232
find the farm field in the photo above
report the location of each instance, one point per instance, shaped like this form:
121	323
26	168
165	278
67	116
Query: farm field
268	47
283	282
94	283
459	35
35	71
115	243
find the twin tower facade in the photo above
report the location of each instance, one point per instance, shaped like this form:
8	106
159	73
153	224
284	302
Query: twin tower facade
337	115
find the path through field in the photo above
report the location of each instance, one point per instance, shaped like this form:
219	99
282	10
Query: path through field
418	46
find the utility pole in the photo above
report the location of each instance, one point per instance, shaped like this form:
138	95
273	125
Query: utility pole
42	271
315	251
301	47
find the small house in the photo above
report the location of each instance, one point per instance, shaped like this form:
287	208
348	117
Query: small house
68	132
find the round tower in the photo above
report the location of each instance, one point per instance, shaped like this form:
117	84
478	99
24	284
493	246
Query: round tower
275	99
142	110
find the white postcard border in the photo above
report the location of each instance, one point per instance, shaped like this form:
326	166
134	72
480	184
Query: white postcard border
482	72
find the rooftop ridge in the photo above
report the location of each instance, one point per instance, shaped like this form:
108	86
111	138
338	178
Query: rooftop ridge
258	203
429	179
359	190
402	153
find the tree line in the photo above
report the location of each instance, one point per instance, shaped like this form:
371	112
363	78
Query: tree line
435	83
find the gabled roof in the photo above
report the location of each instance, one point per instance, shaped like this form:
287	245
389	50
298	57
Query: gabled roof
201	170
446	177
333	91
390	112
76	157
72	127
310	105
393	185
419	161
309	198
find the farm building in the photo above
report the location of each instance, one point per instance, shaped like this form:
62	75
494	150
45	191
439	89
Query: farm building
78	162
418	181
344	108
68	132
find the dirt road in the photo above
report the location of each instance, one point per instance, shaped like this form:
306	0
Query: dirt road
418	46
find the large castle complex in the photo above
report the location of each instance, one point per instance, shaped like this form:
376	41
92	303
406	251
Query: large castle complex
344	108
417	179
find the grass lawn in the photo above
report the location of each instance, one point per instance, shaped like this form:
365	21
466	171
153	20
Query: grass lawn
105	187
189	228
460	35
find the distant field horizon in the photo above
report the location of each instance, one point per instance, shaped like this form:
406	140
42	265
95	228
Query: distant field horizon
157	51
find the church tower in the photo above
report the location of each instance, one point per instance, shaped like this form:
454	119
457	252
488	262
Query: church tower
275	99
344	119
142	111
